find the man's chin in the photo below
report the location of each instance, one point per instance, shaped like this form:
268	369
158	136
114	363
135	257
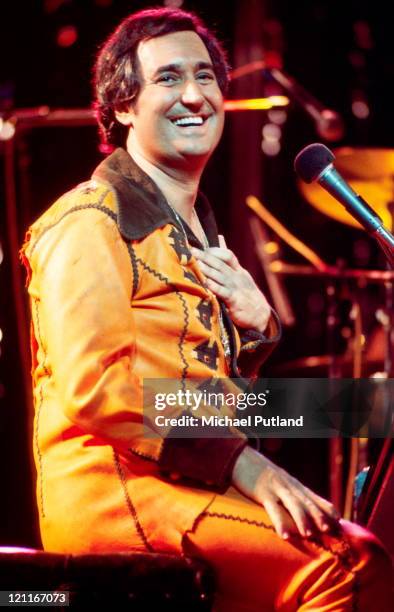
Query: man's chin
194	158
196	149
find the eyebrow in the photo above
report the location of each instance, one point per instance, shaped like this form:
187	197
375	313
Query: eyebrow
177	67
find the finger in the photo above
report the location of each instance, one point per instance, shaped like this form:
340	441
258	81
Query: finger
219	259
273	510
219	290
326	505
222	242
324	514
319	518
224	255
296	511
213	274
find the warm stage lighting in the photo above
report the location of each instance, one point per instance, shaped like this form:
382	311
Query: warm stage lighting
7	130
271	247
256	103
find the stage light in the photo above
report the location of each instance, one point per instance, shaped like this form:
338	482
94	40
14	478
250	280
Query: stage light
360	109
256	103
271	247
67	36
270	147
7	130
277	116
271	131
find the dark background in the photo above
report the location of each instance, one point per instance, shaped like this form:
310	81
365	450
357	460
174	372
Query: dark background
339	51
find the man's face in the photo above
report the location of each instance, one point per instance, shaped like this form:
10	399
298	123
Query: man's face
177	119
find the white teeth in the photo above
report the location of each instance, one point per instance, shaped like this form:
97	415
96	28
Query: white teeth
189	121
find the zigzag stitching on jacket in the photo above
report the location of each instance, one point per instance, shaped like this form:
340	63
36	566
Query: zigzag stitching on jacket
129	503
186	317
182	337
134	266
141	455
343	558
98	206
240	519
38	414
194	525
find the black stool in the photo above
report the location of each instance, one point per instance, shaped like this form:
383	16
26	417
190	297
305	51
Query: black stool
122	581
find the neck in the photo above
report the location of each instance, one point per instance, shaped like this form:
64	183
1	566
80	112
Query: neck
178	186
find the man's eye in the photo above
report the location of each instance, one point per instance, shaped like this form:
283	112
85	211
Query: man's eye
205	76
167	79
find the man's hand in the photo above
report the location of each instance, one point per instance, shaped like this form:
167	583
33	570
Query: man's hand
290	505
226	278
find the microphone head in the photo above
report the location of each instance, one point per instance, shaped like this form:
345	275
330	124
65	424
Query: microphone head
312	160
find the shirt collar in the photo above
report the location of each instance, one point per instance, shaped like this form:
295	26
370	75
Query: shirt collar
142	207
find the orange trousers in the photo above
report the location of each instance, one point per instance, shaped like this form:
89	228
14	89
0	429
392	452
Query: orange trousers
257	571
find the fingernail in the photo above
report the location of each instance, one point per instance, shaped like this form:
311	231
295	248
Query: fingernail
325	527
285	535
308	533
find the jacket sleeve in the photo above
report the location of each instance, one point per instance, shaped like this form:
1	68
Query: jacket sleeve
256	347
80	288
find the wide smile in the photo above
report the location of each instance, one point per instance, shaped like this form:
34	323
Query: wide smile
189	121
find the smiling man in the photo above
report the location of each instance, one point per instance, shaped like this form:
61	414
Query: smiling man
128	280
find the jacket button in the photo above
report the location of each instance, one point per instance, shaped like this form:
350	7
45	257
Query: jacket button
175	476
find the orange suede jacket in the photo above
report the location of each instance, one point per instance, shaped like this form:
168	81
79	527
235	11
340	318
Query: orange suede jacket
116	297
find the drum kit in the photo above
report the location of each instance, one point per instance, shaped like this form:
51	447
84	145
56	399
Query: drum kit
369	172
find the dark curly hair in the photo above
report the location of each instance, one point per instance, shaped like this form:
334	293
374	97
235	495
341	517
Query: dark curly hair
116	73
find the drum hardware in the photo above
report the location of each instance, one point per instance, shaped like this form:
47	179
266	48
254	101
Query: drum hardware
268	251
333	363
328	123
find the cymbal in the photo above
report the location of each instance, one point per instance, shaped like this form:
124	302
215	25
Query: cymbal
370	172
371	276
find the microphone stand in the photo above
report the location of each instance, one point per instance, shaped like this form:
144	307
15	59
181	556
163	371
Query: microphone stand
358	448
328	123
385	240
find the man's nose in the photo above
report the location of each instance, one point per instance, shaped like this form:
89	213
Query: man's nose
192	94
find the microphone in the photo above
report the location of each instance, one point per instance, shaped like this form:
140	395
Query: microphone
329	124
315	163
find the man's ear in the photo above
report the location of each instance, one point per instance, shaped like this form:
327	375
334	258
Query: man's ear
125	117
